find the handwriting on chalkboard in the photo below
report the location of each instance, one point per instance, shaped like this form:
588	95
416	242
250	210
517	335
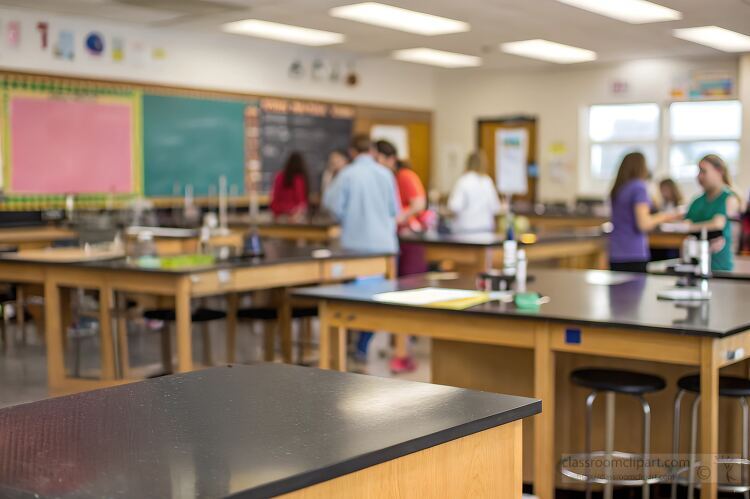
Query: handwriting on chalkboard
312	128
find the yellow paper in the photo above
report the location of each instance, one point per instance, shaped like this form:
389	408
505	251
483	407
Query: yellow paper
461	303
445	298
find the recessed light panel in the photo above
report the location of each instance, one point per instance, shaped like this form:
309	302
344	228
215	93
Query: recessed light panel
388	16
545	50
715	37
630	11
437	58
283	32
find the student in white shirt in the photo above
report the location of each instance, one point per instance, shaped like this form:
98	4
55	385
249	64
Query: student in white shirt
474	202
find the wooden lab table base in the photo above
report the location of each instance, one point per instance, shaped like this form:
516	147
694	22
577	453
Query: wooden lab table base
181	288
485	464
583	254
545	341
34	237
188	245
666	240
300	232
564	222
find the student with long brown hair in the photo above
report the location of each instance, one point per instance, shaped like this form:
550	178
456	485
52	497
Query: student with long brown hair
714	209
631	216
671	197
290	193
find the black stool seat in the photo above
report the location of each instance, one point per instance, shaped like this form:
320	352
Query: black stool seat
618	381
200	315
271	314
729	386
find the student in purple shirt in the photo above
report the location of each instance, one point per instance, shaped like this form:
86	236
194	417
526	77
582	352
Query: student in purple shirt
631	216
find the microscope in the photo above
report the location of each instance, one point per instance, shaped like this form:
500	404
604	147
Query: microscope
693	270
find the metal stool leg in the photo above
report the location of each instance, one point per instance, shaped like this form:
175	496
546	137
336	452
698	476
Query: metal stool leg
166	348
206	339
589	423
609	440
646	444
676	439
745	444
693	445
77	361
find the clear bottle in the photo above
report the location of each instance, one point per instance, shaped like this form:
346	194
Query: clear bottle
145	245
521	271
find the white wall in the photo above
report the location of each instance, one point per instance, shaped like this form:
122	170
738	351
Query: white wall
556	97
213	61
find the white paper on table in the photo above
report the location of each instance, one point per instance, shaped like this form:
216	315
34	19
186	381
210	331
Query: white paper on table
511	160
425	296
604	278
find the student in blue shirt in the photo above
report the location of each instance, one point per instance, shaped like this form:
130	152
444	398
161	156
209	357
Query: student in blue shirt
362	198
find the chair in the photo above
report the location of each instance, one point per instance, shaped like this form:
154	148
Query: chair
730	387
268	315
201	316
621	382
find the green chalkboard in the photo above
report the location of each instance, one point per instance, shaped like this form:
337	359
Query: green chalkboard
192	141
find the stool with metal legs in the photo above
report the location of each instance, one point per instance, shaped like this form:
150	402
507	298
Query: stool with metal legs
625	383
729	386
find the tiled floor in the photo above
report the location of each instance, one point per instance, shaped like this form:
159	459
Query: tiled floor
23	370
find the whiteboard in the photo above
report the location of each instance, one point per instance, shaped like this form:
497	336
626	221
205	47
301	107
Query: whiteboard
511	160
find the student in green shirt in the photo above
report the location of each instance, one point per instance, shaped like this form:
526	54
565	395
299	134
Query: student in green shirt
714	209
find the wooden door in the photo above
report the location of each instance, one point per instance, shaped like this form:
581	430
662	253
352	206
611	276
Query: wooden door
418	125
486	136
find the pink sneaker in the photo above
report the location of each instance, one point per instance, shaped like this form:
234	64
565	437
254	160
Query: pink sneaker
402	365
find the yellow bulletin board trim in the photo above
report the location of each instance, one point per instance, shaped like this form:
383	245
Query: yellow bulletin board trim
137	142
6	143
133	99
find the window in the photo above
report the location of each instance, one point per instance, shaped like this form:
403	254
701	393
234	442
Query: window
700	128
615	130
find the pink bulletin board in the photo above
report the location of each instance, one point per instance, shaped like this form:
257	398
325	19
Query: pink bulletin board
71	144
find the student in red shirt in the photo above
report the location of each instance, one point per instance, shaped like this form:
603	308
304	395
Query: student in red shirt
411	193
289	196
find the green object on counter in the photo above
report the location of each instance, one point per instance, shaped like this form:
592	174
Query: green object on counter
175	262
148	262
527	301
183	261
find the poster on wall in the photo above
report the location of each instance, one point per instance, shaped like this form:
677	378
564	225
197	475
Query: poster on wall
65	45
511	160
14	34
94	44
558	162
396	135
118	49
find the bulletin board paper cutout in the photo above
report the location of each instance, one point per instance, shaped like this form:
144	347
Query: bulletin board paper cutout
511	160
396	135
72	145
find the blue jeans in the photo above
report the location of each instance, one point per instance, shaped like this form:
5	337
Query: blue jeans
363	342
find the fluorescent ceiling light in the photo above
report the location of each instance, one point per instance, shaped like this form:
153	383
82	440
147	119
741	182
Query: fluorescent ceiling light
388	16
630	11
548	51
716	37
437	58
283	32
